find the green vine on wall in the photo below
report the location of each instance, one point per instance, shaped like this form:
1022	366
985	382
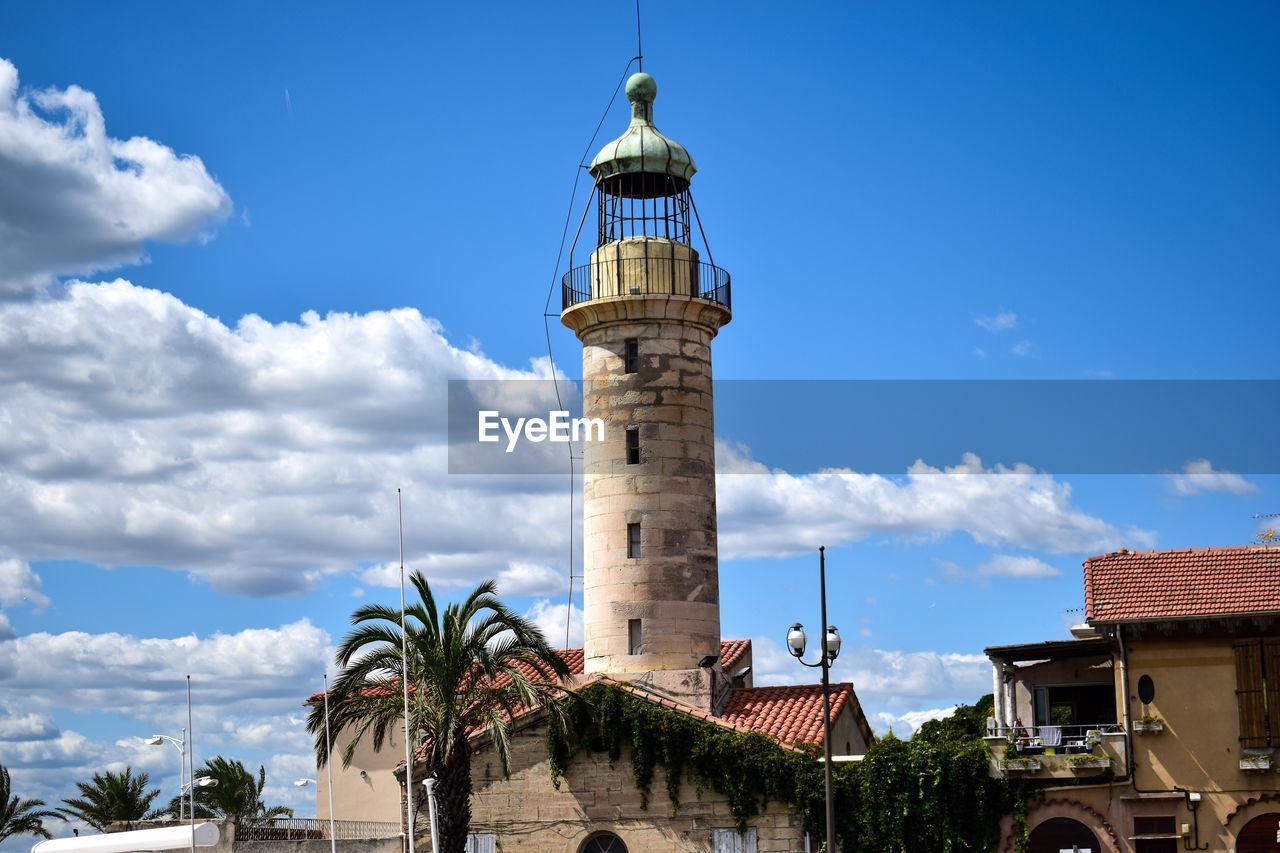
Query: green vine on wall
931	793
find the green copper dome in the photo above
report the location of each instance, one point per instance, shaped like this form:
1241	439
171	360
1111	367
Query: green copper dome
642	150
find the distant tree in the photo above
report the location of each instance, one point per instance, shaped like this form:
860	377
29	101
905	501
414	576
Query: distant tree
21	817
237	796
965	723
112	797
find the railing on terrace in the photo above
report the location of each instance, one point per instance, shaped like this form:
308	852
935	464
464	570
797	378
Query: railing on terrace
302	829
663	276
1036	740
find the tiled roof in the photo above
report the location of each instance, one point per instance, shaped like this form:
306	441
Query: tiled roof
790	714
1127	586
731	652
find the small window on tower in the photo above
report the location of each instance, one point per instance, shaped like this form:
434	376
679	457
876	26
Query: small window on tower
633	540
633	355
634	635
633	445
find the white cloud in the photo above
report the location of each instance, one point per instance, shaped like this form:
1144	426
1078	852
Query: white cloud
1000	322
551	619
905	725
1002	566
1023	349
74	200
1198	475
522	578
135	429
891	684
20	585
252	672
767	512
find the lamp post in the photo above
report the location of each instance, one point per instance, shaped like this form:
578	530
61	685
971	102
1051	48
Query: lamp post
796	641
180	744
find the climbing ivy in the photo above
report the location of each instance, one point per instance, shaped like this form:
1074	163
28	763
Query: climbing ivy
931	793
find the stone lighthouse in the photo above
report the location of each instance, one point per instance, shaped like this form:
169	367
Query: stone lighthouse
646	307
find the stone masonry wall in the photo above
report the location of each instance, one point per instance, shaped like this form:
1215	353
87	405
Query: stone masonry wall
527	814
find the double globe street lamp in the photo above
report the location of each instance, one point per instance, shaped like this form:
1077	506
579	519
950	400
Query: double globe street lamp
796	641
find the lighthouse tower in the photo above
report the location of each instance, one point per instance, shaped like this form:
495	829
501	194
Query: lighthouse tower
646	308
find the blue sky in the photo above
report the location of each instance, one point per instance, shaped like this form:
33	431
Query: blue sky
1001	191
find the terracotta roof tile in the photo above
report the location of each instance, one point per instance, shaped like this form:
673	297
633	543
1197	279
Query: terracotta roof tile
1127	586
791	714
731	652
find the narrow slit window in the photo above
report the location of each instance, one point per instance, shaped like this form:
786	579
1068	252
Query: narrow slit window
633	445
634	636
633	355
633	540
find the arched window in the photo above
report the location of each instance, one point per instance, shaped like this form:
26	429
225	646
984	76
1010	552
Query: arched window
604	842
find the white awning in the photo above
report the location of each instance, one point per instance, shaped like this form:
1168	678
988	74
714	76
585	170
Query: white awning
165	838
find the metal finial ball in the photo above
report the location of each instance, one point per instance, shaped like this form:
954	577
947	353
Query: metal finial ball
641	87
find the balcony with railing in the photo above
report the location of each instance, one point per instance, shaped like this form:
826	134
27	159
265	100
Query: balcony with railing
622	277
1058	752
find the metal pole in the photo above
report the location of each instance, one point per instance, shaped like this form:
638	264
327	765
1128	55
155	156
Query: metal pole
328	766
404	683
826	704
431	810
182	768
191	764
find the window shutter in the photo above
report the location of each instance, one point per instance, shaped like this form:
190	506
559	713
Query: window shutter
1271	673
485	842
732	841
1250	695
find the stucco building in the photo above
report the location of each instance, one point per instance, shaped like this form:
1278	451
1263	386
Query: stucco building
646	307
1163	714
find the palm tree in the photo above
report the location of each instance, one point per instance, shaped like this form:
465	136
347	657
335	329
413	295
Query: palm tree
112	797
236	796
471	670
21	817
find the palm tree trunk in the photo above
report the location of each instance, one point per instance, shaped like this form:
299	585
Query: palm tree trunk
453	799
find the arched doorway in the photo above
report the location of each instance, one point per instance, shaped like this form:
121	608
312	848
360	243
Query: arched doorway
1260	835
1062	833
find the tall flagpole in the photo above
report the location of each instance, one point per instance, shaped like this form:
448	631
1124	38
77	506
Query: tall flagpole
404	683
328	766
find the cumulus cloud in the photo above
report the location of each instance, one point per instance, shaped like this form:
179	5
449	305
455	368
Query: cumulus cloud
770	513
1198	475
551	619
251	672
891	684
1002	566
260	456
1000	322
905	725
20	585
248	687
74	199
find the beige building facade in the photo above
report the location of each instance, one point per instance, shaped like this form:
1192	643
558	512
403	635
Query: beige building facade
1164	714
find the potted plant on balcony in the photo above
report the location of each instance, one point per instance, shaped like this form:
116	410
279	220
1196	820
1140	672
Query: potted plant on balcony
1148	724
1256	761
1021	764
1088	761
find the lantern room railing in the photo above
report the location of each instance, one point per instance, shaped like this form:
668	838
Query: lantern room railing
662	276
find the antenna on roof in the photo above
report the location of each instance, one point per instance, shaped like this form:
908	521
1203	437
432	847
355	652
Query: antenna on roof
1269	535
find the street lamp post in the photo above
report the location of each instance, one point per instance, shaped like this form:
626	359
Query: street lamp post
179	744
796	640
